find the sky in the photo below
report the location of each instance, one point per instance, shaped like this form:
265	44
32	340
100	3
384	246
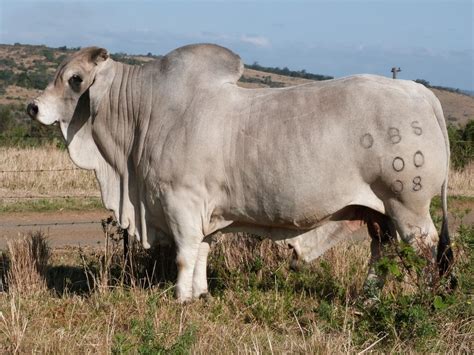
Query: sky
430	40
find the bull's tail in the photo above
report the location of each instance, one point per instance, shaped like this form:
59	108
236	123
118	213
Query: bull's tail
445	253
445	257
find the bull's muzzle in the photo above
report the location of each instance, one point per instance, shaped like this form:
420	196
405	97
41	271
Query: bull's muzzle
32	110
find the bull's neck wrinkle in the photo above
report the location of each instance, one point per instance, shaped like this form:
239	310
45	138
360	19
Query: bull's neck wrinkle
125	96
126	91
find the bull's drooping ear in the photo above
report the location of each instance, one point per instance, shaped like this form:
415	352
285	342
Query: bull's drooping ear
102	79
99	55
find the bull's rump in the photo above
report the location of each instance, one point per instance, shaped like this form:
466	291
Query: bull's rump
298	155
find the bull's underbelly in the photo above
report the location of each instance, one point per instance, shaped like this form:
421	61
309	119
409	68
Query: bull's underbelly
302	205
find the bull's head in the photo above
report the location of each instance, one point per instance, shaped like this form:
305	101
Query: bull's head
74	77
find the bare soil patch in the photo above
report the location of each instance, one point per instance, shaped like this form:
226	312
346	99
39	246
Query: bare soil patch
58	235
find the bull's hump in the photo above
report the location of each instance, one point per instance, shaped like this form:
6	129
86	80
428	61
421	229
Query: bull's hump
204	64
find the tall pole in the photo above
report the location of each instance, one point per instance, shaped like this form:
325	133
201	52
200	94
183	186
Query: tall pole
395	70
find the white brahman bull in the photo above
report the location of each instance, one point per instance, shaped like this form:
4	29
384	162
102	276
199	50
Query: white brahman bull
181	151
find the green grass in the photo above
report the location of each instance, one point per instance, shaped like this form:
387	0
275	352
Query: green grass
51	204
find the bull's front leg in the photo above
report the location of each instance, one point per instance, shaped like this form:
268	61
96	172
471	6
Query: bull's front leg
188	245
184	215
185	223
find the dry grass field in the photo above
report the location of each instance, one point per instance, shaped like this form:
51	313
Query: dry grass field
71	182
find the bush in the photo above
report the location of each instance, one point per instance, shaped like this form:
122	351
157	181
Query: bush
6	119
48	54
462	145
16	129
8	62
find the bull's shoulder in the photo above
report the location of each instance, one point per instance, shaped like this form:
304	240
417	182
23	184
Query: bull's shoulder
203	64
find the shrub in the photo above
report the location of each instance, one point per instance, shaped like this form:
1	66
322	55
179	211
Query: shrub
6	119
462	145
48	54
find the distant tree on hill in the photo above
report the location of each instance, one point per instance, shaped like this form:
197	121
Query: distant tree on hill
48	54
7	76
468	133
423	82
445	88
6	119
287	72
125	58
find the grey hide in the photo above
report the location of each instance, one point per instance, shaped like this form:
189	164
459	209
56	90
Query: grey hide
180	151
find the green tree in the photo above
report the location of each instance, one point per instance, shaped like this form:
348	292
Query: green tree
468	132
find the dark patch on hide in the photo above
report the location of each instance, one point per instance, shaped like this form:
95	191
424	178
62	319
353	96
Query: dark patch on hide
367	141
418	159
398	164
417	128
394	135
417	183
397	186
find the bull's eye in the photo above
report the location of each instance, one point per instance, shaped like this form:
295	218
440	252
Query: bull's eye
75	82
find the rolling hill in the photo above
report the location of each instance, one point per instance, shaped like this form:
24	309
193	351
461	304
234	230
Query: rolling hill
26	69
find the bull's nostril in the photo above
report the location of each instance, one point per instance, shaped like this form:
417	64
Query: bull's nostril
32	110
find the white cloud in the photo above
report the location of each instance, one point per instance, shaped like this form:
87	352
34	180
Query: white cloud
258	41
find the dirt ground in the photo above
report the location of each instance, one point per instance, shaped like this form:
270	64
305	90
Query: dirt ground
58	235
91	234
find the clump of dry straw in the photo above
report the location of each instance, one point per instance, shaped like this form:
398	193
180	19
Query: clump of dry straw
28	260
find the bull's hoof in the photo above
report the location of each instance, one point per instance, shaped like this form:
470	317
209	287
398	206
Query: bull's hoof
185	301
295	265
207	297
183	298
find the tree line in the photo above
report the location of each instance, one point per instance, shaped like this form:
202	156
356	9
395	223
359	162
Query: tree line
287	72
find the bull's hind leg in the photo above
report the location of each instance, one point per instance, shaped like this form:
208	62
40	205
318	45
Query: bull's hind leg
382	232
